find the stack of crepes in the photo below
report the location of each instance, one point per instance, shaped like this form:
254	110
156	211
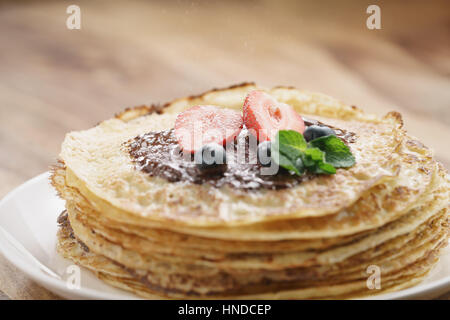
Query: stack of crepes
386	217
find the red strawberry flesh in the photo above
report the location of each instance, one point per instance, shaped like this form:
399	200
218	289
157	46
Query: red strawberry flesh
265	116
204	124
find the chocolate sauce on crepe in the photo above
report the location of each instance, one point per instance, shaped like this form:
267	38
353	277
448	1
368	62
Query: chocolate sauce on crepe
159	155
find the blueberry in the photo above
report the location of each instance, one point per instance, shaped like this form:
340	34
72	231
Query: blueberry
314	132
210	155
264	153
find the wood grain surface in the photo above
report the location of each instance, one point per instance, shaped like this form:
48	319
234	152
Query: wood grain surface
127	53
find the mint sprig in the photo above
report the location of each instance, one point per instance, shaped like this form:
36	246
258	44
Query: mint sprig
314	161
289	146
320	156
337	153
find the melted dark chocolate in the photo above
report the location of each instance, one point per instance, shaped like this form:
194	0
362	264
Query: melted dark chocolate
158	154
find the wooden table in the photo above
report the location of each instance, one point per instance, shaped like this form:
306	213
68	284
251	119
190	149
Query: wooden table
53	80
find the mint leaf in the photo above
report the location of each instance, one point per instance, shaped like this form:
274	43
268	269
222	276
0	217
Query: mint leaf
337	153
291	139
287	149
314	161
320	156
290	164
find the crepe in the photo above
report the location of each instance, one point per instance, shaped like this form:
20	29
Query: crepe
163	239
115	187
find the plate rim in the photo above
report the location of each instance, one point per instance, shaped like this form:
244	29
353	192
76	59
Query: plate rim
58	286
33	272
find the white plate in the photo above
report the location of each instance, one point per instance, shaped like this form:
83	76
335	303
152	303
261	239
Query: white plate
28	237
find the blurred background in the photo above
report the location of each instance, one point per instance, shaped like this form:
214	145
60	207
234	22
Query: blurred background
127	53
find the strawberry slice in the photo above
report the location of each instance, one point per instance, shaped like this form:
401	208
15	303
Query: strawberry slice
200	125
266	116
